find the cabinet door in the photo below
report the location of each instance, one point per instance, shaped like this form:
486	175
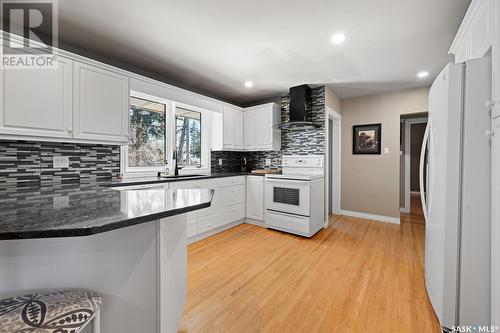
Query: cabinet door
255	197
238	128
228	128
249	121
495	221
264	136
479	32
38	102
101	104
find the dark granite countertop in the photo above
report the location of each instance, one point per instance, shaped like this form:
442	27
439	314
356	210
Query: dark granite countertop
158	180
87	209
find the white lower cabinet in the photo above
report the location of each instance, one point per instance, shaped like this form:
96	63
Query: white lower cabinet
233	212
208	222
255	198
192	228
228	203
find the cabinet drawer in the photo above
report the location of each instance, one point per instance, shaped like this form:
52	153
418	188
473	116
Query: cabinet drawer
192	230
231	195
233	213
180	184
287	222
230	181
209	222
209	183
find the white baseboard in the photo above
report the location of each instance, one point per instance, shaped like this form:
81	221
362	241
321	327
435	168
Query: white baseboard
381	218
404	210
255	222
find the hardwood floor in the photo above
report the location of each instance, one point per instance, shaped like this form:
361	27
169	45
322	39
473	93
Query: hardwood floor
354	276
416	214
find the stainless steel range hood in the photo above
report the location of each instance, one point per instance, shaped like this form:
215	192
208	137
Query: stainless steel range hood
299	100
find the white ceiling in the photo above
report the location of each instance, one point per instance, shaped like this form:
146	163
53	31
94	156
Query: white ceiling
214	46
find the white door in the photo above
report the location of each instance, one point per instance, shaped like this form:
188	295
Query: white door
38	102
101	104
255	197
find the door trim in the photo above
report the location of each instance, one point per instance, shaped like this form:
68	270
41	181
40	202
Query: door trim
407	154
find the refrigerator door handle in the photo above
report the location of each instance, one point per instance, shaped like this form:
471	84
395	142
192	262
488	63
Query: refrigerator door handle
421	172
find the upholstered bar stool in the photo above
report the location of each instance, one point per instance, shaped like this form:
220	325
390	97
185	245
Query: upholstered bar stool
61	311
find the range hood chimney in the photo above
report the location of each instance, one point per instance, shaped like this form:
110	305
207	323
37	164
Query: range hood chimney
299	97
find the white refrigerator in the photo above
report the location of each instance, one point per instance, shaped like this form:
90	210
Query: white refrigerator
457	203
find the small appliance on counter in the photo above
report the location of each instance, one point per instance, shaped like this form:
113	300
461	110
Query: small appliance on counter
294	200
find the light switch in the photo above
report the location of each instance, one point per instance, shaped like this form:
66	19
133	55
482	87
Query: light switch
386	150
220	161
268	161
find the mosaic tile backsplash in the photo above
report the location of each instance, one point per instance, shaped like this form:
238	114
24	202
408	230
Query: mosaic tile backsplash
27	163
293	142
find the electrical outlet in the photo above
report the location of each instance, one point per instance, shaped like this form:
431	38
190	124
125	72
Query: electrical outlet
59	162
220	161
268	161
60	202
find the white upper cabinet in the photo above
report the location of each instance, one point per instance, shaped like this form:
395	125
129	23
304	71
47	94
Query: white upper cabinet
474	38
239	130
260	127
37	102
101	103
232	129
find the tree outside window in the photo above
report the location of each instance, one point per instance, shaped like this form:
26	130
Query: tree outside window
188	137
147	141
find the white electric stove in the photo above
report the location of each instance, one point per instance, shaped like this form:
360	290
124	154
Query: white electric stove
295	200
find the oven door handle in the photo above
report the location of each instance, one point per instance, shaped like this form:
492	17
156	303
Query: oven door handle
286	180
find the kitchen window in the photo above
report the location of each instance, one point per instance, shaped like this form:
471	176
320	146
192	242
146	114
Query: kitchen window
156	128
147	139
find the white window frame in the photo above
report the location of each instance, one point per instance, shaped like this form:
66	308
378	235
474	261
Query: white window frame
205	139
129	172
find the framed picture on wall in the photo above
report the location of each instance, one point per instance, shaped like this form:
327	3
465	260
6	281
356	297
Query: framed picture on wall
366	139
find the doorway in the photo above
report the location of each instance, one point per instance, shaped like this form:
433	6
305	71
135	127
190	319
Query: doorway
412	134
332	175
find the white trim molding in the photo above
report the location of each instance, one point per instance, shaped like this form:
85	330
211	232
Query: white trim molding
408	122
337	163
374	217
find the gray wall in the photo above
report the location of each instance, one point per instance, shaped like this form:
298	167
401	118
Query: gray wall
370	183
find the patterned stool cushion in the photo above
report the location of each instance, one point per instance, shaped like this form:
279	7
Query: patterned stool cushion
66	311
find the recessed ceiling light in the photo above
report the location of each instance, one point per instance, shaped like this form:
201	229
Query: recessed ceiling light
248	84
338	38
422	74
